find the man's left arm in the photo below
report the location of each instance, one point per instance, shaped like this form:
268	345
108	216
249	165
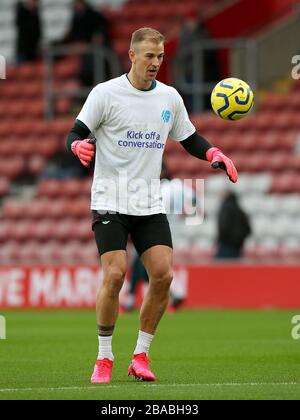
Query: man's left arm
199	147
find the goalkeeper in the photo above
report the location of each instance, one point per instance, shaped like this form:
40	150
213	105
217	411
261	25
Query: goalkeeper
132	117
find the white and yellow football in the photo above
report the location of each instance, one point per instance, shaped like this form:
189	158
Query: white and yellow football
232	99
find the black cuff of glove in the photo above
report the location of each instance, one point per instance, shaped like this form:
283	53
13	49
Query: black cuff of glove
196	145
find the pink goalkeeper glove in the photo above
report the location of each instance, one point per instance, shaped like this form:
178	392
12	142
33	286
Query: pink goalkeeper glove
219	160
84	150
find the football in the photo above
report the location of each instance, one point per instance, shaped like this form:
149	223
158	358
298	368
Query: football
232	99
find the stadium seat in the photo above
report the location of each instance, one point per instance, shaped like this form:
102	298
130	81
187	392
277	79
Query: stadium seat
290	204
28	252
276	161
49	253
13	209
83	229
87	253
57	209
77	208
286	182
9	252
37	209
49	188
12	168
63	230
70	253
4	186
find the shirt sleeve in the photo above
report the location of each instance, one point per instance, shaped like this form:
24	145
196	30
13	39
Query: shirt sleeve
92	113
182	127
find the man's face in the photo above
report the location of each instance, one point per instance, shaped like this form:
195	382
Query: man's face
146	59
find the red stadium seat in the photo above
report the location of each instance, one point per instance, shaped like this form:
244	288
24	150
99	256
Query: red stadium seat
83	230
277	162
49	253
63	230
46	147
294	162
21	230
50	188
72	187
87	253
78	208
28	252
9	252
37	209
5	129
12	168
287	140
285	183
57	209
69	252
6	229
43	230
67	68
4	186
13	209
32	89
232	142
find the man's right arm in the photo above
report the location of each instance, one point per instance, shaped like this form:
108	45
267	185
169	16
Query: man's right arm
79	145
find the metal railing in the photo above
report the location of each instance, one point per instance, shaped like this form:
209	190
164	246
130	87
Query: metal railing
102	56
189	67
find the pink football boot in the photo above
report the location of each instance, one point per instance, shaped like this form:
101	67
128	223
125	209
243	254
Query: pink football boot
139	368
102	371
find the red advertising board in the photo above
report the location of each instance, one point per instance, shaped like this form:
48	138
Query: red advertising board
224	286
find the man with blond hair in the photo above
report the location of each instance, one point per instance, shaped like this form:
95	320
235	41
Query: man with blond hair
131	118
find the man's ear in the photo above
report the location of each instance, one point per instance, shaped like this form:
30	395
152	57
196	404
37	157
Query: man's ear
132	56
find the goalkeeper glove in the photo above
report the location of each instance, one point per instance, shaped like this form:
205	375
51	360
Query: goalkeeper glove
219	160
84	150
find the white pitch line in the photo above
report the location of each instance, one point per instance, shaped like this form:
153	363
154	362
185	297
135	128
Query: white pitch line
95	387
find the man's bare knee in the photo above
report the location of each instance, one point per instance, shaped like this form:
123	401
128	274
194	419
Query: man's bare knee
161	280
113	279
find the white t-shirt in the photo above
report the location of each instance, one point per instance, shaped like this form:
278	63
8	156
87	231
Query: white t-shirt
131	127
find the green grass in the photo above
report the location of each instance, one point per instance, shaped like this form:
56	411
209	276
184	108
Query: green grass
195	355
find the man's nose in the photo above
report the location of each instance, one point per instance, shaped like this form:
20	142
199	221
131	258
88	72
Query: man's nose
155	62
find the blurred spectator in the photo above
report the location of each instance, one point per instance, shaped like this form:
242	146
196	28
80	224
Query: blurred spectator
233	228
192	33
28	30
89	27
85	23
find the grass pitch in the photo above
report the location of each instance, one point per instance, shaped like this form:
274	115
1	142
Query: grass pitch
195	355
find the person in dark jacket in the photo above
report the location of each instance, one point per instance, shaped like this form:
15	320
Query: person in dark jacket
85	23
89	27
233	228
28	25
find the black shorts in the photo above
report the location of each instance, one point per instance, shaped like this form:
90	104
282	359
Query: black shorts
112	229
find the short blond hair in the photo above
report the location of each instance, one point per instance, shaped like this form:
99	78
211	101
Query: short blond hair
143	34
